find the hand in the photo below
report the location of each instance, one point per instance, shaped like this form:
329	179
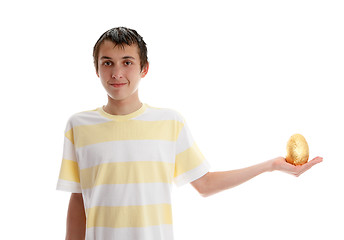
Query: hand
281	164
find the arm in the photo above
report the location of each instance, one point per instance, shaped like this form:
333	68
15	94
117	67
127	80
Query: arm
76	219
214	182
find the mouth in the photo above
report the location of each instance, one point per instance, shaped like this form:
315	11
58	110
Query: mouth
118	85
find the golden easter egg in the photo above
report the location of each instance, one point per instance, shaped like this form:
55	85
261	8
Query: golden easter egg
297	150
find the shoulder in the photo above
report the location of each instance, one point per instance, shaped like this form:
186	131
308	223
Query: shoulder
164	113
86	117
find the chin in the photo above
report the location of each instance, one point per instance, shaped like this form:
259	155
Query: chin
118	98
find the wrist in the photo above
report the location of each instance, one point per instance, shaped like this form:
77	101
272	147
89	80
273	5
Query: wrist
276	163
271	166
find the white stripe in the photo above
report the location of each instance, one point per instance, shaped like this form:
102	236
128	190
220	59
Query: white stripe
85	118
126	151
128	194
192	175
185	140
157	114
68	150
68	186
162	232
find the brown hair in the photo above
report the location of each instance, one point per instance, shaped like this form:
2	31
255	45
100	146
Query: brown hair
121	36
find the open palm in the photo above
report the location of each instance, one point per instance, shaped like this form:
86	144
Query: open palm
281	164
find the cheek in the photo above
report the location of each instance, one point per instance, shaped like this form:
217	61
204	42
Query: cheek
103	72
130	75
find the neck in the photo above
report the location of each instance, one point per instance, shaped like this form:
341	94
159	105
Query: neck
122	107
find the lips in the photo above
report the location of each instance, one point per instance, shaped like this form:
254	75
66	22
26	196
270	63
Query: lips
118	84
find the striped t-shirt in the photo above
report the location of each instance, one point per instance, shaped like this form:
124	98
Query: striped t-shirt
124	166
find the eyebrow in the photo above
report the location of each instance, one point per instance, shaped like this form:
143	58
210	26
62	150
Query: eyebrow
125	57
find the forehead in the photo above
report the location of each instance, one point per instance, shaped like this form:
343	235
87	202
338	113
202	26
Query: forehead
110	49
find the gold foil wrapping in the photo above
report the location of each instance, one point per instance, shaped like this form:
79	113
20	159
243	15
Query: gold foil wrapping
297	150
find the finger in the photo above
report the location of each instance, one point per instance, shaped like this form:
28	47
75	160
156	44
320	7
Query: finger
317	159
314	161
308	165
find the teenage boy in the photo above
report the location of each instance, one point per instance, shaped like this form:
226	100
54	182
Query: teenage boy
119	160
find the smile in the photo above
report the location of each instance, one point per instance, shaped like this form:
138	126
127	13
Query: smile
118	85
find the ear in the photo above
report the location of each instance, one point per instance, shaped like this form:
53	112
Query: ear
145	70
97	73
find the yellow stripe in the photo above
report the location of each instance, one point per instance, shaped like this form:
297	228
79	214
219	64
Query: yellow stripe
128	130
69	134
126	173
69	171
129	216
187	160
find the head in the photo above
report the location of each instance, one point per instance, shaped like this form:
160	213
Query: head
120	59
122	36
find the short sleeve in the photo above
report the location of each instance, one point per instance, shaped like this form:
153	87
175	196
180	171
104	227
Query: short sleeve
69	178
190	164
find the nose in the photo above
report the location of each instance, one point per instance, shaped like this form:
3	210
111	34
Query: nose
116	73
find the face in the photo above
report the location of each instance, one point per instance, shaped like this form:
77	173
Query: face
119	71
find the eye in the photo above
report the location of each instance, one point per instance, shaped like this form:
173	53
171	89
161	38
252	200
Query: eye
127	63
107	63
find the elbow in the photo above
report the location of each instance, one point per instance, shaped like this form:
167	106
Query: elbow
202	192
205	194
204	186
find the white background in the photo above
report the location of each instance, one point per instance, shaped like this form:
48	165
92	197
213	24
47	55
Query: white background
246	75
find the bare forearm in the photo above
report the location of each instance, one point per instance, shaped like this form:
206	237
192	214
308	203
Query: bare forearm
76	219
214	182
219	181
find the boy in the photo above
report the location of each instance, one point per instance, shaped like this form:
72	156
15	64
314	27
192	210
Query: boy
119	160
